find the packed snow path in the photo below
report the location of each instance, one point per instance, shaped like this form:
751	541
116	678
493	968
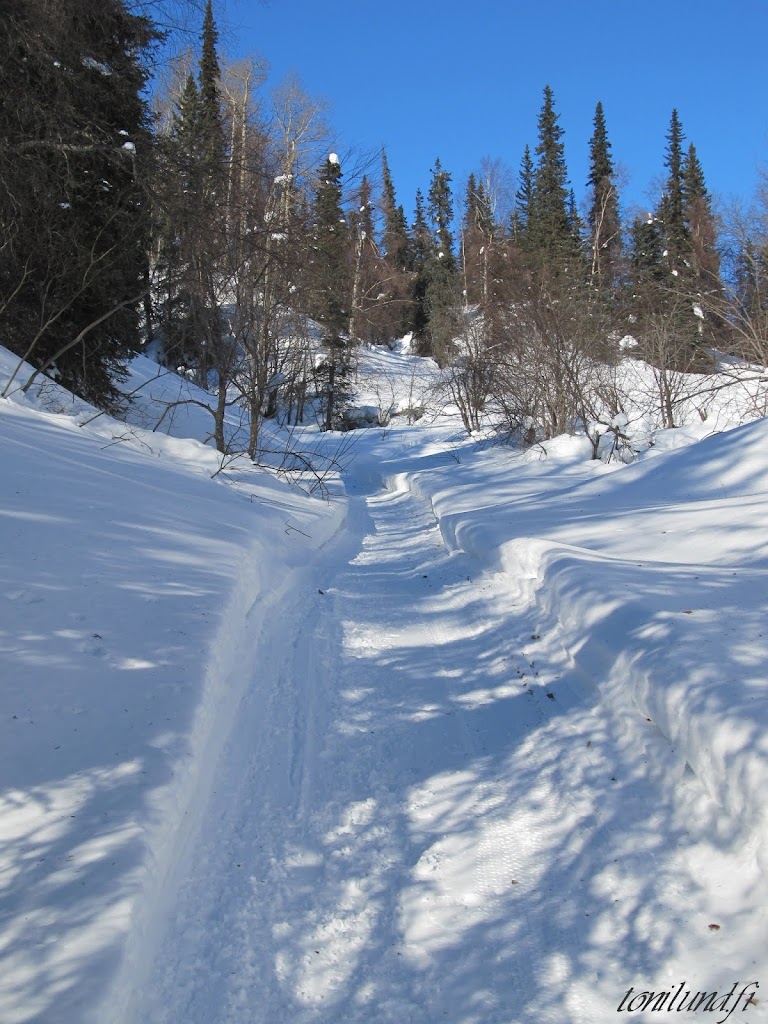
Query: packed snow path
423	815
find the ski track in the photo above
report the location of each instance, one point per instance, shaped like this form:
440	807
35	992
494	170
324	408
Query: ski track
409	826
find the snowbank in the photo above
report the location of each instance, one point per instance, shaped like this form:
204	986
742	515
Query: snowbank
655	577
132	583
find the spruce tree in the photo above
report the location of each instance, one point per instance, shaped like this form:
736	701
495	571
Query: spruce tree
704	259
574	222
421	251
470	204
180	190
646	253
700	222
331	285
74	219
211	125
689	240
486	279
202	261
471	243
193	238
185	137
521	217
397	315
442	297
603	218
366	269
395	229
672	206
694	185
364	213
441	216
549	225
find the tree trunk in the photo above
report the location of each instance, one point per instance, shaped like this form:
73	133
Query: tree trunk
330	403
218	419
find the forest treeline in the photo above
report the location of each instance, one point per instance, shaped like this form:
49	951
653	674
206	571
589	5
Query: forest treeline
216	229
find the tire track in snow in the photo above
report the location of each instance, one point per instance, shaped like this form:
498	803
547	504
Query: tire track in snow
417	833
424	871
323	822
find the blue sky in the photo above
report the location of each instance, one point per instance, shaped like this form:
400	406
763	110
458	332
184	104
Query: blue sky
464	80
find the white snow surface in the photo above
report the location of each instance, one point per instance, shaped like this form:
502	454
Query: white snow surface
483	739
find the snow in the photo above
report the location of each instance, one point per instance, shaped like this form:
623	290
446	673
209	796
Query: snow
95	65
482	739
677	585
128	579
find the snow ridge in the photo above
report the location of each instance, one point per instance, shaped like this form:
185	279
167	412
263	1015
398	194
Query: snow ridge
666	638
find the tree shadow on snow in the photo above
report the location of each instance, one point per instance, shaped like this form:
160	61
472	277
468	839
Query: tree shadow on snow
500	849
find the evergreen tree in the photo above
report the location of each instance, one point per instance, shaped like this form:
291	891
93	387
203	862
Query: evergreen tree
74	219
574	222
397	282
178	303
603	218
441	216
691	263
185	135
486	299
363	213
700	222
646	252
521	218
550	227
366	271
476	238
192	242
694	185
672	206
197	153
395	229
211	126
331	286
442	298
470	205
471	242
421	252
703	258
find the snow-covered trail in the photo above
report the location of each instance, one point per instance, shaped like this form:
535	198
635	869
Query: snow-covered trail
422	815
